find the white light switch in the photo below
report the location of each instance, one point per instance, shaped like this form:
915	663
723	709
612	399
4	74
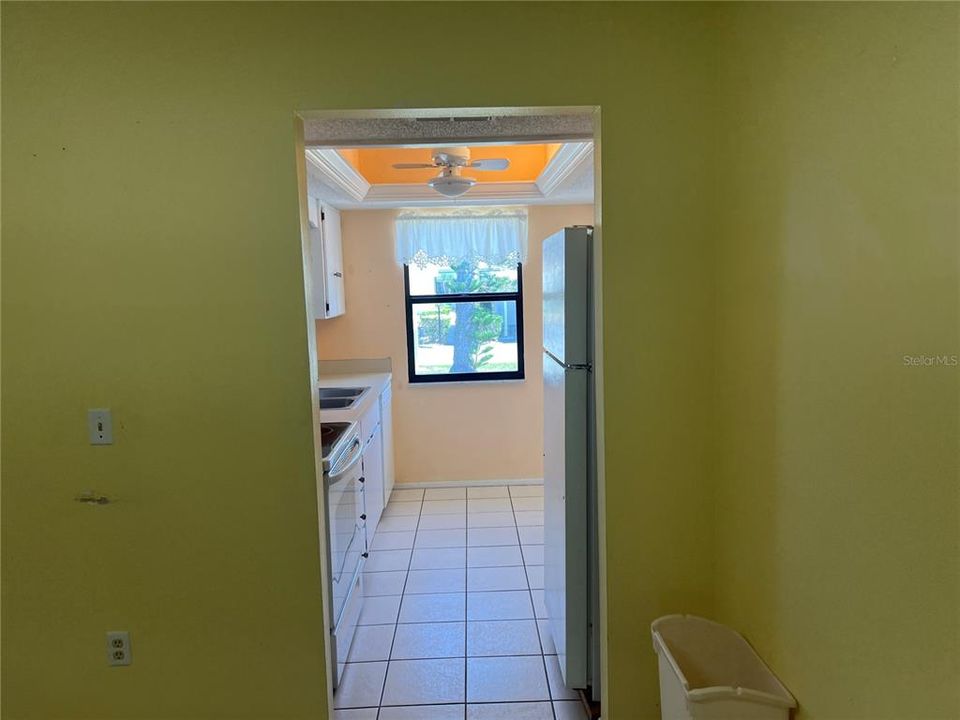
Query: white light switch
100	425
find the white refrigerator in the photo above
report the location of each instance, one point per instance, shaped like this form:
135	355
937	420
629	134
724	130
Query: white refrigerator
571	587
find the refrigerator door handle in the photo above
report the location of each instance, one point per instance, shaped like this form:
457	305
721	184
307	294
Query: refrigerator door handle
568	366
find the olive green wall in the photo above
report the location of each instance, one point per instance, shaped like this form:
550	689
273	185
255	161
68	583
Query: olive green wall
151	263
780	229
838	255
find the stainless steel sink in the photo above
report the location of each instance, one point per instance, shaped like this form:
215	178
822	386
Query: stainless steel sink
342	392
340	398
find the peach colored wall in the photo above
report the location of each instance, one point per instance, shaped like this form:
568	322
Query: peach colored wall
470	431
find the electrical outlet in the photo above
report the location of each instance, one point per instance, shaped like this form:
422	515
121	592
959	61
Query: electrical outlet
100	426
118	648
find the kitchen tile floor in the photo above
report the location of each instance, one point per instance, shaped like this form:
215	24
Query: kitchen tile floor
453	623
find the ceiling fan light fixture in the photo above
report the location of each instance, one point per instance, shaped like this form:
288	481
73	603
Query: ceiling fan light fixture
451	185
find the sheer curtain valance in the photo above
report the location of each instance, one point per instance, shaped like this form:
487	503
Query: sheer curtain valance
445	237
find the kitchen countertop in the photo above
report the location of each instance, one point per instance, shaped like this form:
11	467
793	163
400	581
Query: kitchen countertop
377	382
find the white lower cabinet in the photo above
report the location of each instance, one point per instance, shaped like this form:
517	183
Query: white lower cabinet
386	424
371	430
373	480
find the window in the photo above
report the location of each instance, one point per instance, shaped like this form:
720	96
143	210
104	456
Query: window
464	322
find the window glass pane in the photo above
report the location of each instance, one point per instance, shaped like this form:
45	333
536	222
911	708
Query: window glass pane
464	278
469	337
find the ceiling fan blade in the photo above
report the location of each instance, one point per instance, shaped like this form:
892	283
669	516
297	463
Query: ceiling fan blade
413	166
490	164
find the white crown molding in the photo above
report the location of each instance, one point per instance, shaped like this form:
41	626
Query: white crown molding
400	194
339	172
348	189
567	161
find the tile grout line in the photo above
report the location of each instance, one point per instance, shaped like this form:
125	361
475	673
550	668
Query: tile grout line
403	590
536	624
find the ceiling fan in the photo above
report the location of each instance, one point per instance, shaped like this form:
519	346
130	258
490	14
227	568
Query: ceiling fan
451	161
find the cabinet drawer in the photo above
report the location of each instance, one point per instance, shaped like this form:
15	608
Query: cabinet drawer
346	627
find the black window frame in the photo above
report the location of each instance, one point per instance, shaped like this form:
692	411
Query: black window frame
411	300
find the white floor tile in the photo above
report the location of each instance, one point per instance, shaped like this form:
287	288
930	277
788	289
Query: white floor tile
361	685
400	494
445	494
532	554
558	691
498	491
433	608
435	581
506	679
397	523
477	537
429	640
539	608
434	507
531	535
392	540
503	556
510	711
546	639
496	578
502	637
371	642
529	518
440	538
535	576
383	583
568	710
490	519
443	522
501	504
422	712
438	558
395	509
512	605
528	503
356	714
413	682
380	610
519	491
387	560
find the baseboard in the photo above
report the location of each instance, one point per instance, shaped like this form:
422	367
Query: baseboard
466	483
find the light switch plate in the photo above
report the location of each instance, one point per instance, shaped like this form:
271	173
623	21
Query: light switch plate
100	426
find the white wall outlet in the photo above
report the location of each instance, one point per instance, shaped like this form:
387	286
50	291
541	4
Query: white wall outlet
118	648
100	425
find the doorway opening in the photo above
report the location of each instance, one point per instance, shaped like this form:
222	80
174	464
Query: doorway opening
457	360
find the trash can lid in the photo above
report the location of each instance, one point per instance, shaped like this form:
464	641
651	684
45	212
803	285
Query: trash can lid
714	662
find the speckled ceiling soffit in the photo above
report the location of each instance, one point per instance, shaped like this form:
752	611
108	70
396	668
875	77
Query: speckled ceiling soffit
351	132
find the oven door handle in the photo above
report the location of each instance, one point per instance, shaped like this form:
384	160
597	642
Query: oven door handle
354	456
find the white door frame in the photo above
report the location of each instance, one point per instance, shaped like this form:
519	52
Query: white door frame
442	113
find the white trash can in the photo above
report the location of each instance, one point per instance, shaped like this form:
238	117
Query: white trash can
709	672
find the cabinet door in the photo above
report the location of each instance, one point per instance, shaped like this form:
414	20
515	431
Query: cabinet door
334	303
373	482
386	425
318	295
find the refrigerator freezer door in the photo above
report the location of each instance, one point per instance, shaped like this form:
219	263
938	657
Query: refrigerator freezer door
566	295
566	581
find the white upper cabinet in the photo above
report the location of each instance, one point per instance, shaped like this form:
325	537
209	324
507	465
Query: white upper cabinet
326	260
